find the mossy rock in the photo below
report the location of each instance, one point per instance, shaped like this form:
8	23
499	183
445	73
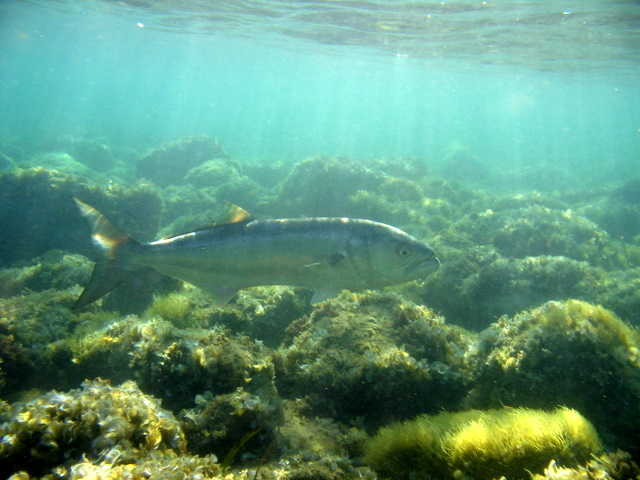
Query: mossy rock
98	422
169	163
173	363
483	445
37	212
322	186
564	353
359	353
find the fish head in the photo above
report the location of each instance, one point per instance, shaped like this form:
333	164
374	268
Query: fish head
383	255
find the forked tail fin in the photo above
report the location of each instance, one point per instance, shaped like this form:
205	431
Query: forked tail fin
114	249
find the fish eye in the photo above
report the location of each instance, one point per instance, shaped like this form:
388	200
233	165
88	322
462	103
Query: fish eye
404	251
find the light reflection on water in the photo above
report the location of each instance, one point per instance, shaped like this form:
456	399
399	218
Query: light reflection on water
543	35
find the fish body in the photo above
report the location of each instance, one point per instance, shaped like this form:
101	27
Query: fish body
326	254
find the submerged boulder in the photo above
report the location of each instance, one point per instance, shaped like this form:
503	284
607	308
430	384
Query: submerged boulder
358	353
97	422
169	163
503	443
38	214
567	353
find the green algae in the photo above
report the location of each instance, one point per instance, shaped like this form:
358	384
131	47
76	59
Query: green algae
48	220
98	423
482	444
569	353
168	163
343	363
350	352
174	307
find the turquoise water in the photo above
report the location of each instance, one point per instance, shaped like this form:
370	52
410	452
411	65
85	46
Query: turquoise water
514	83
505	135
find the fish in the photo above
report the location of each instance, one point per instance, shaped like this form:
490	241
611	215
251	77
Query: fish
321	253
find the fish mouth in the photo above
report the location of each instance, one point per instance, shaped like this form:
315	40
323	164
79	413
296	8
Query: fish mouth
426	265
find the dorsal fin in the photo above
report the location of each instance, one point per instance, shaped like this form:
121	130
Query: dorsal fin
237	214
234	214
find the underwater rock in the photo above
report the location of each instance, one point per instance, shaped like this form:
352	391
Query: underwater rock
55	269
542	177
225	182
267	174
564	353
38	215
618	465
262	313
427	215
533	231
33	324
169	163
541	231
166	465
94	153
137	292
204	199
310	437
475	286
337	186
505	443
620	291
322	186
214	173
174	307
173	364
620	220
220	422
329	467
491	203
461	166
96	423
375	356
6	162
137	208
628	192
187	209
61	162
12	151
16	361
412	168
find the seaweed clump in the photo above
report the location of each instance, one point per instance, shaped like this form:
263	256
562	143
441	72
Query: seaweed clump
172	363
482	444
564	353
54	269
48	220
167	164
32	327
219	422
617	465
98	423
351	351
481	285
92	152
534	230
322	186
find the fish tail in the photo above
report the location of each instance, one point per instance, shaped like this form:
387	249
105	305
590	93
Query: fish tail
114	248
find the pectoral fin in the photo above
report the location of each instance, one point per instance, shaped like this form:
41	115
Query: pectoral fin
331	261
320	295
220	295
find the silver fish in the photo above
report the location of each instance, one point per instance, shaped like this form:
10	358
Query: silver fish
326	254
